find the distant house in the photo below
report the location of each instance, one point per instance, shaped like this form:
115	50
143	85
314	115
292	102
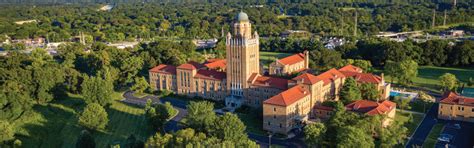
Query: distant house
333	42
123	45
295	33
25	22
204	44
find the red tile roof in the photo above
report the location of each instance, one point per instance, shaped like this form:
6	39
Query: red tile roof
330	75
162	68
371	107
307	78
215	63
453	98
292	59
363	77
278	83
351	68
210	74
190	66
288	97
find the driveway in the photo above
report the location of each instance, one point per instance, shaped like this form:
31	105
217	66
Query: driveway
173	126
424	128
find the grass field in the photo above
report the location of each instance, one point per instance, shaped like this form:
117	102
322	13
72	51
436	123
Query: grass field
428	76
268	57
55	125
404	118
253	123
433	136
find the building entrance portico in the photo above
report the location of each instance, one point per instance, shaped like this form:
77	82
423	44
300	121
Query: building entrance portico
233	102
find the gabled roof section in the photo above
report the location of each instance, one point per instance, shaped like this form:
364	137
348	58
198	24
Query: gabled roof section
163	68
288	97
363	77
371	107
351	68
454	98
265	81
190	66
293	59
215	63
330	75
210	74
307	78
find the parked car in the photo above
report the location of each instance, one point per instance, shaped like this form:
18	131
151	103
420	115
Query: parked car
457	126
445	138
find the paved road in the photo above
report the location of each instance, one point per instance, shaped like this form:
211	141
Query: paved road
180	105
424	128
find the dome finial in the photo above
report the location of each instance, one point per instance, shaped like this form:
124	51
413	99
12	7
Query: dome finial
242	16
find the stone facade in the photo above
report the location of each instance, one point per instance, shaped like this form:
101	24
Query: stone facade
456	107
290	65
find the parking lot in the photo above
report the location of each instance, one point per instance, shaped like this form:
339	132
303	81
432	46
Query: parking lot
462	137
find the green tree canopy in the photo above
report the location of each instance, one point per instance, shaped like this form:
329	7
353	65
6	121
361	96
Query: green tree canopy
6	131
229	128
97	90
350	91
314	134
94	117
200	115
370	92
449	82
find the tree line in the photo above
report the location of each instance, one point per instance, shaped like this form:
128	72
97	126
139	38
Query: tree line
145	21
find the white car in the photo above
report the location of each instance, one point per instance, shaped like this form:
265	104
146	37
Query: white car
445	138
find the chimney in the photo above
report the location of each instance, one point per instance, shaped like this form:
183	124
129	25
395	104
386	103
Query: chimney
306	59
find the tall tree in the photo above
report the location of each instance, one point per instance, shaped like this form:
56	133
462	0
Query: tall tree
140	85
449	82
354	137
6	131
370	91
97	90
314	134
94	117
200	115
350	91
392	135
229	128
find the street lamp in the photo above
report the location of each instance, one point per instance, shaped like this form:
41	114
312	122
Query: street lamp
270	139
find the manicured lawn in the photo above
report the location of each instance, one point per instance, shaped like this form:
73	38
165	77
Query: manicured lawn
428	76
420	106
433	136
55	125
268	57
404	118
253	123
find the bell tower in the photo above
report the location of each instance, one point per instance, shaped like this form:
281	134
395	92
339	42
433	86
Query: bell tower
242	56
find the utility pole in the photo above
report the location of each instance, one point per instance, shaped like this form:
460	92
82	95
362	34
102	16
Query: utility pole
355	23
444	21
434	19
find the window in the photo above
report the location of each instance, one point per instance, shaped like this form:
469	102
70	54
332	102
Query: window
268	122
274	109
274	116
281	126
472	110
441	106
